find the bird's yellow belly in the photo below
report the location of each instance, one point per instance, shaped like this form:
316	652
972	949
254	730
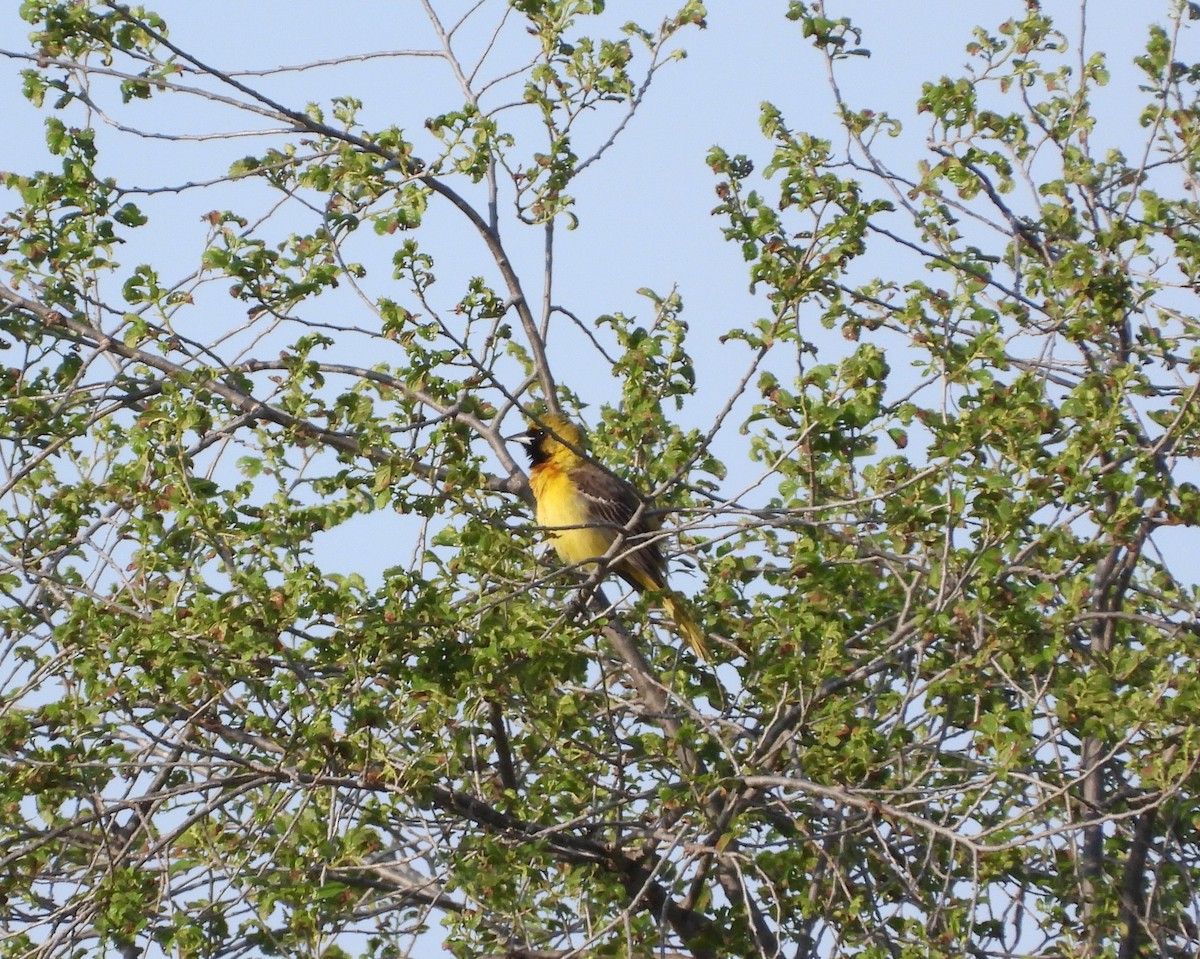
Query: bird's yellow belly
579	545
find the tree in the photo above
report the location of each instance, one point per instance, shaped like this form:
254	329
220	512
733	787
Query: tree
956	628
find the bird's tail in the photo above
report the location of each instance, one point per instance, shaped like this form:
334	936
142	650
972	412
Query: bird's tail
677	608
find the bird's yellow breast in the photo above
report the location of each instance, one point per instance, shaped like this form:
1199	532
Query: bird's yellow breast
564	514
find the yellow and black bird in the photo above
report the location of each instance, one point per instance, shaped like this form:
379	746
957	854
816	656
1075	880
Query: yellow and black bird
586	508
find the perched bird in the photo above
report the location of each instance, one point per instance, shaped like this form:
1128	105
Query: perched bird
586	508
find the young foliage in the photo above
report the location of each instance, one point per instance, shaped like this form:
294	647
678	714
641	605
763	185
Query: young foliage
937	555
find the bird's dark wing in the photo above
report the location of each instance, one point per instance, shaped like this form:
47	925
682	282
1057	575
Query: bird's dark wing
612	503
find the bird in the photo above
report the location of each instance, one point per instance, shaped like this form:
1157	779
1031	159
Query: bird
585	508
